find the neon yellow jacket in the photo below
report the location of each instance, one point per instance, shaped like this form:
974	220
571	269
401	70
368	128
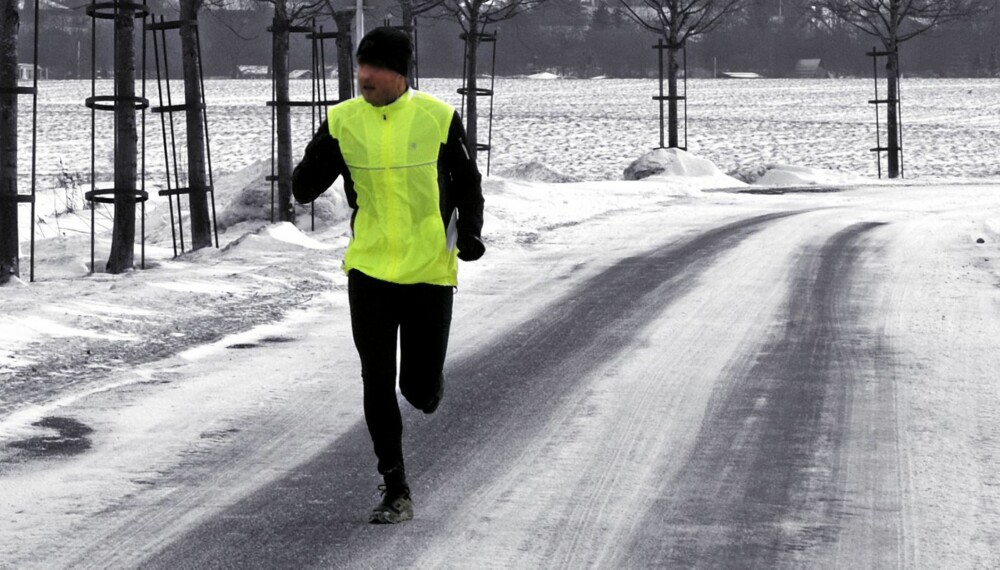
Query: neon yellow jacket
416	195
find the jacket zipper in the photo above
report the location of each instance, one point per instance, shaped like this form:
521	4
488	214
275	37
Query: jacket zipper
391	199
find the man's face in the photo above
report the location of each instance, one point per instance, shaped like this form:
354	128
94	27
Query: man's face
380	86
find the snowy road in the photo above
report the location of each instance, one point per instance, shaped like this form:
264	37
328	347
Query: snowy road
786	381
518	393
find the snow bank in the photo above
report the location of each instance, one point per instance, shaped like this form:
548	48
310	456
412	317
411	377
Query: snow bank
283	236
535	171
674	163
19	332
791	175
246	196
545	75
63	258
741	75
28	329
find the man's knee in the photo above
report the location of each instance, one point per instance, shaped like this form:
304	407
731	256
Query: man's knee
420	388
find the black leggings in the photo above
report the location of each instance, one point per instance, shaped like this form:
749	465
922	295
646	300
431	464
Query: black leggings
421	315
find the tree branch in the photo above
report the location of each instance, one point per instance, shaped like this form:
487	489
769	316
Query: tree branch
874	17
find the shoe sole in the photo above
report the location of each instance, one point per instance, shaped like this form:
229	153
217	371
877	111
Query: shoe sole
384	517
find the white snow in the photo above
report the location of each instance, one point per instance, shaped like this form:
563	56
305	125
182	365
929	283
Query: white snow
545	75
681	168
536	172
790	175
36	327
584	128
150	420
197	286
19	332
741	75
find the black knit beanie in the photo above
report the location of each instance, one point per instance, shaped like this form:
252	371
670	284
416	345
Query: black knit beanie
388	48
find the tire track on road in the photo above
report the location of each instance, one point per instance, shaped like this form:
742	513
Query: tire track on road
497	398
767	483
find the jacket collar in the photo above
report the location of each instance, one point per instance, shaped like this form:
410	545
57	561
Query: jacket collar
396	106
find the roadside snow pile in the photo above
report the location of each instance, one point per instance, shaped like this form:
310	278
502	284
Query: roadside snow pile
674	163
246	195
790	175
749	174
535	171
279	237
17	332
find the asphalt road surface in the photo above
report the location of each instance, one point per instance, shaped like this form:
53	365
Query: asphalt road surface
724	400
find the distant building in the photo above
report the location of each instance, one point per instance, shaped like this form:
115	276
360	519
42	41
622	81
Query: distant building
252	72
811	69
26	72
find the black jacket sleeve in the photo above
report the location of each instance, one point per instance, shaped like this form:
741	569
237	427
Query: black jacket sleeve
466	192
319	168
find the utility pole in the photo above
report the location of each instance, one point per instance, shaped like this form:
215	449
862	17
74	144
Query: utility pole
359	23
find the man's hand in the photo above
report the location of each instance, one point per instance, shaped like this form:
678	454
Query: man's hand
470	248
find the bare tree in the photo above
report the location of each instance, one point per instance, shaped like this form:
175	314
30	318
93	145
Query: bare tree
287	13
409	10
9	21
474	16
122	257
345	68
893	22
201	223
677	21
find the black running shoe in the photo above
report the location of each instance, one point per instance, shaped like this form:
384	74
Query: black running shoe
395	506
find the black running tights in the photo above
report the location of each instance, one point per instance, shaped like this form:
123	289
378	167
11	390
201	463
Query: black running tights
421	315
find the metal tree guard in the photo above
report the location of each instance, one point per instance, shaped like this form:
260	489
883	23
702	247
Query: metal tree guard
174	188
660	47
33	91
320	99
483	37
99	11
879	149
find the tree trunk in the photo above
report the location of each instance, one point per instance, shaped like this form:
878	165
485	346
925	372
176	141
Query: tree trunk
892	75
672	67
345	68
471	84
201	222
406	15
286	212
123	234
892	113
9	263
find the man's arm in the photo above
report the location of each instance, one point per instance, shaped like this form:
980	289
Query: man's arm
319	168
467	192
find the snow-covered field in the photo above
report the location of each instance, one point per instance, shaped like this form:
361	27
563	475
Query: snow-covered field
594	128
588	129
146	395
